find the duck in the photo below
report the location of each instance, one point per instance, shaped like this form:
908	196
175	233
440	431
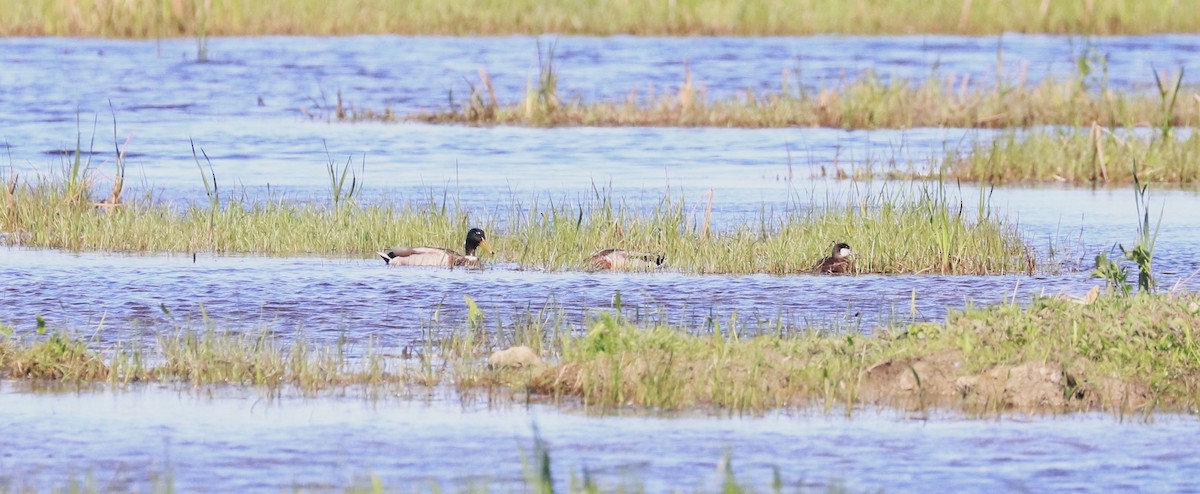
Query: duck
840	262
621	259
437	256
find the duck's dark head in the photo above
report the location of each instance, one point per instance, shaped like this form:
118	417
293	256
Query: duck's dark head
476	239
842	251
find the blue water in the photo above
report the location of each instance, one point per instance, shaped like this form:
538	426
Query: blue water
230	440
55	90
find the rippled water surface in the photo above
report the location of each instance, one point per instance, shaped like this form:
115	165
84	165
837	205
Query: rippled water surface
244	109
226	441
162	98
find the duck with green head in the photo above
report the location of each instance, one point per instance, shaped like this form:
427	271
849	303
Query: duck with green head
438	256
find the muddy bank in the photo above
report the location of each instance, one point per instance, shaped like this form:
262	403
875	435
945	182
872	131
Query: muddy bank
939	380
1039	387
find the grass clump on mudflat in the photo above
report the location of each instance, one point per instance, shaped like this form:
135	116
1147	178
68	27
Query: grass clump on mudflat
916	231
56	357
196	358
149	18
1117	354
870	102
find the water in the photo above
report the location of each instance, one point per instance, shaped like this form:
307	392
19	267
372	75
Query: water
224	440
149	79
163	100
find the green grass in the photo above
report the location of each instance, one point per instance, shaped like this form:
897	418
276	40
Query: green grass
870	102
1119	354
201	18
1097	156
202	357
902	229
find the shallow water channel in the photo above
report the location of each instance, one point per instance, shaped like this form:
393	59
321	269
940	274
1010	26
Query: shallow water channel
243	107
226	440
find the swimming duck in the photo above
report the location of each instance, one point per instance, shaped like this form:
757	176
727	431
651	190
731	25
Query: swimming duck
437	256
840	262
621	259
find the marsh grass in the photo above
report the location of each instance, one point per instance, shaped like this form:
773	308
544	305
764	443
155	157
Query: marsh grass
1097	156
198	357
205	353
919	230
1124	355
868	102
1120	354
199	18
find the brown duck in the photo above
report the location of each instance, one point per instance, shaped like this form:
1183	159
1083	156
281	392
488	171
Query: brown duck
437	256
841	261
624	260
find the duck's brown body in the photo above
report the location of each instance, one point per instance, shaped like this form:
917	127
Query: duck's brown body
840	262
621	259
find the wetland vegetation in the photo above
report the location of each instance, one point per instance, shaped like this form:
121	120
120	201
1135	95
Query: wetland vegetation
149	18
1131	350
867	102
1095	156
916	228
1117	353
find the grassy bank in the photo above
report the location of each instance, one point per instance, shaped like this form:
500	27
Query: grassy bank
1112	353
869	102
148	18
917	230
1116	354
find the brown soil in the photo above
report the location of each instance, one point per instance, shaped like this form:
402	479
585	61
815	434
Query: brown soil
939	379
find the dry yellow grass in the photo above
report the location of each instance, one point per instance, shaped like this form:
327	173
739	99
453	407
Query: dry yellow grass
167	18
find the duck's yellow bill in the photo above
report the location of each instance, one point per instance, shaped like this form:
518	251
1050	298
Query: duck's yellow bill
487	247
